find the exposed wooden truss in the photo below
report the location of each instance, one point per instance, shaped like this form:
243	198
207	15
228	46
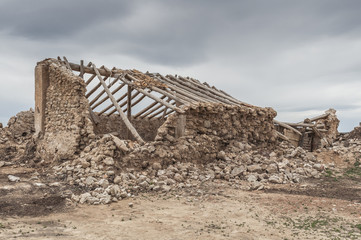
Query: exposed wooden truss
133	94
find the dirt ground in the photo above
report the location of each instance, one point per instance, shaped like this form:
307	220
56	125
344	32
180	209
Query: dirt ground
326	208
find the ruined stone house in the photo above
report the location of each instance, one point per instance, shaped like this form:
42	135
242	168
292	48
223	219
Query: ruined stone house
76	103
168	117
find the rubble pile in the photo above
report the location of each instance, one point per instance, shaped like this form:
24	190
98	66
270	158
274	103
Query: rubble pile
110	169
105	179
347	150
16	135
355	133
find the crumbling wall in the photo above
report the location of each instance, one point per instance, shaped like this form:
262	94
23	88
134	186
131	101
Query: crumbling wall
229	122
331	125
68	128
15	136
147	128
355	133
208	130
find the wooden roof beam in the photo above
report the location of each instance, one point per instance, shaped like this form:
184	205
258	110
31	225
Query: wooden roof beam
126	121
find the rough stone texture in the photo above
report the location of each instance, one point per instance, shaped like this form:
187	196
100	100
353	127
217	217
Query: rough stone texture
68	128
16	135
236	144
209	129
20	127
355	133
331	124
229	122
275	165
147	128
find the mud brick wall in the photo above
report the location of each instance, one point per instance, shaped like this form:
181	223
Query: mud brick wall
147	128
68	128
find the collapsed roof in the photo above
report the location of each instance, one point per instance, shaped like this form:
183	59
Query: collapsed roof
127	88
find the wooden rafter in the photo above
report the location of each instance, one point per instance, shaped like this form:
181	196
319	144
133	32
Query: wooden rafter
187	91
126	121
183	91
147	108
152	96
107	97
112	105
103	91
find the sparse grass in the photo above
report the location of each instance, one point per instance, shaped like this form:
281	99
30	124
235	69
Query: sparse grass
358	226
1	226
354	172
331	175
332	227
328	173
357	163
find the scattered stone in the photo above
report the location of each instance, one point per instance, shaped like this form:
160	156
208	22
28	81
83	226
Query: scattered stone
275	179
178	177
156	166
84	197
55	184
13	178
109	161
117	179
237	171
255	185
221	155
130	204
252	178
254	168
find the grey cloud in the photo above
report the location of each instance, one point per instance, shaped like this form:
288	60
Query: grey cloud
49	19
188	31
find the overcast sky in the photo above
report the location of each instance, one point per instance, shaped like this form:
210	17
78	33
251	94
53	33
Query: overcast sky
299	57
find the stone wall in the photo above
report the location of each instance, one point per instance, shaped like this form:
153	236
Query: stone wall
209	129
198	135
228	122
147	128
15	136
68	128
331	125
20	127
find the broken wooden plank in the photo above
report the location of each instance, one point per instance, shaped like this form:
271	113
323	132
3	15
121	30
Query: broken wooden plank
81	69
287	126
93	117
280	135
67	63
129	102
319	117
